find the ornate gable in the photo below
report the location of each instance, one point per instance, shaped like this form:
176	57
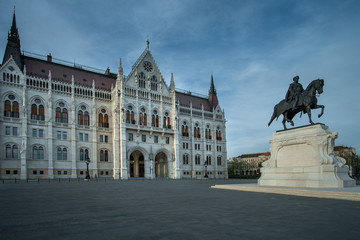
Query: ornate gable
146	75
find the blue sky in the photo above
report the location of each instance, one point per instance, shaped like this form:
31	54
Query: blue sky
253	49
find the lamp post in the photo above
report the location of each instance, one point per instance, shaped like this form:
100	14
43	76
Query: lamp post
206	164
87	161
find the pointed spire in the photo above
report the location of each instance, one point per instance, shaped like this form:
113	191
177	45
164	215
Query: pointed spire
212	90
120	68
14	31
172	83
13	44
212	94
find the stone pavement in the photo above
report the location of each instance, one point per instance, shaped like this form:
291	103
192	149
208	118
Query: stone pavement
168	209
349	193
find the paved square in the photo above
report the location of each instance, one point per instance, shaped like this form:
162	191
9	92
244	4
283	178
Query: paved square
169	209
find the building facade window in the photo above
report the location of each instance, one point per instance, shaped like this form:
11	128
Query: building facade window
167	140
208	132
155	119
197	160
103	119
130	137
143	138
154	83
166	123
219	161
218	134
130	117
156	139
11	107
185	159
11	151
104	155
143	117
61	114
38	153
84	153
184	129
208	160
197	131
83	117
37	110
61	153
141	80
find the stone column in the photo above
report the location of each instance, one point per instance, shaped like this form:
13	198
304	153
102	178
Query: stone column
72	115
50	131
24	136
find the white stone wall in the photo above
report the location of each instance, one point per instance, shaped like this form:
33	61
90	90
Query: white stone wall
156	155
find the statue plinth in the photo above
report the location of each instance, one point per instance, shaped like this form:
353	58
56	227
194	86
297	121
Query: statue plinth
304	157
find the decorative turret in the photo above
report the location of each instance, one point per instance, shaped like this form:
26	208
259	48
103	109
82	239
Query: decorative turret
13	45
120	72
212	94
172	83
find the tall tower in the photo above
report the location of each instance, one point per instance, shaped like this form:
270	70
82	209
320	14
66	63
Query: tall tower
212	94
13	45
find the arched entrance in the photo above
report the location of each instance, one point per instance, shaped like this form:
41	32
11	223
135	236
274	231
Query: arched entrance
137	164
161	165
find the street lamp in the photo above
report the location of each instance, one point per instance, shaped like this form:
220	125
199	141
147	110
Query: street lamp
87	161
206	164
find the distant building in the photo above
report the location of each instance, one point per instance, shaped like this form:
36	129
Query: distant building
249	164
349	154
56	114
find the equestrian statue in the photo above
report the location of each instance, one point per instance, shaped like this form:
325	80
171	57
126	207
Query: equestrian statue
299	100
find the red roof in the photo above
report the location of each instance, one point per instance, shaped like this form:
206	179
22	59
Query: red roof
197	102
62	73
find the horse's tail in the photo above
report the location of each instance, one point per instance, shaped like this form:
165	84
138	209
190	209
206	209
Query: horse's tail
274	115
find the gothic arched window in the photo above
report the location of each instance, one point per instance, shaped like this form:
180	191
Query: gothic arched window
166	123
103	119
196	131
141	80
7	108
218	134
155	119
84	153
11	151
219	161
37	110
104	155
208	132
130	117
61	114
185	159
154	83
143	117
184	129
197	160
208	160
83	117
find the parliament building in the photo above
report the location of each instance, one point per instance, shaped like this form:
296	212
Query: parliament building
55	115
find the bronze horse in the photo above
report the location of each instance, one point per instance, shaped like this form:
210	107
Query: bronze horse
307	101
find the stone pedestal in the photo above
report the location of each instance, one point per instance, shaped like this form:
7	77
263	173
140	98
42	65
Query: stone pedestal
304	157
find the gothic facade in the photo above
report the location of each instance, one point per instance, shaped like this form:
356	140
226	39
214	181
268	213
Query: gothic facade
57	115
